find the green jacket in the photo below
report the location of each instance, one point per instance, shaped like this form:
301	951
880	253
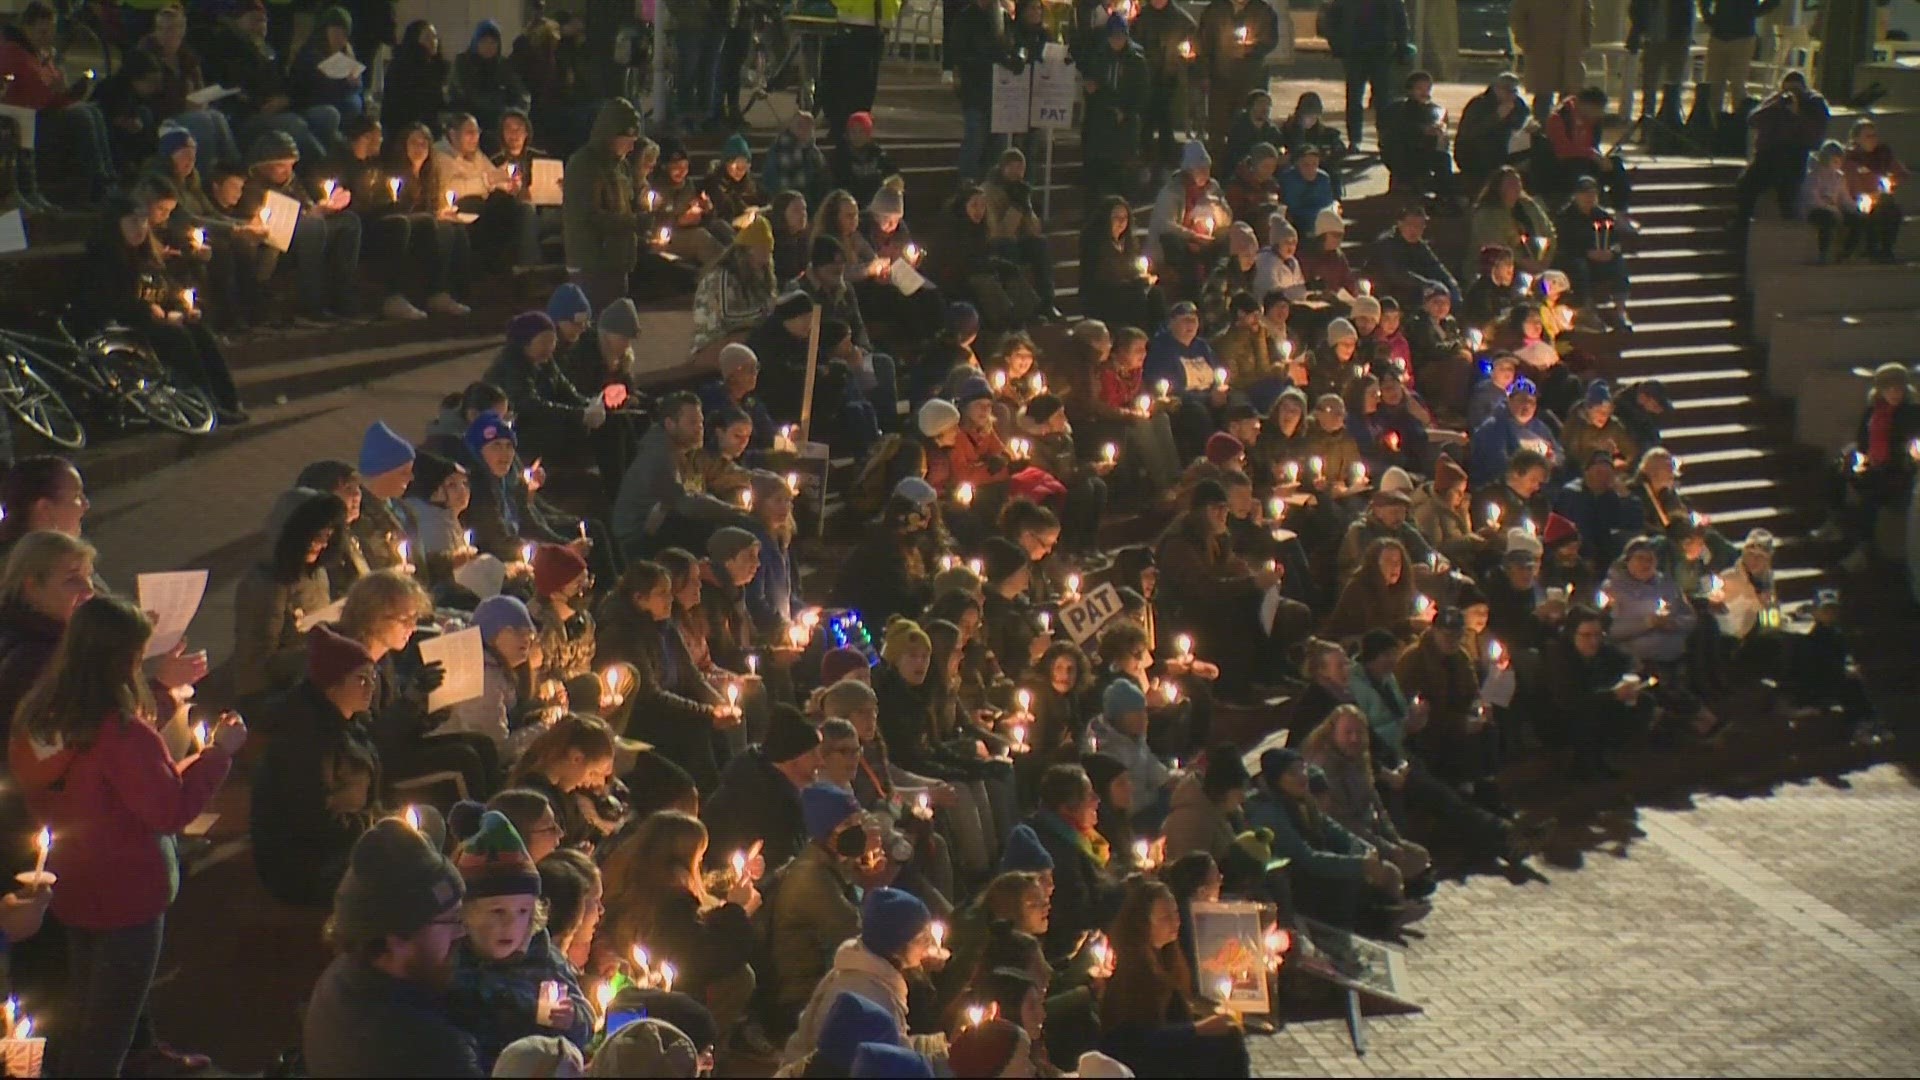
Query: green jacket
195	209
813	912
597	201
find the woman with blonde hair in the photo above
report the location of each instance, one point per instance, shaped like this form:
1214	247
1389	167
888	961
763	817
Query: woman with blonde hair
657	899
1340	746
47	576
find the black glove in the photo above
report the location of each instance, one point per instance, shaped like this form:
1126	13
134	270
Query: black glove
427	678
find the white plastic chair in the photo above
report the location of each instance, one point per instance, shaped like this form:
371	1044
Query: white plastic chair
917	24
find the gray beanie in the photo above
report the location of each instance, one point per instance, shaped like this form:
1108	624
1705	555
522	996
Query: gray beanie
540	1055
938	415
1280	230
1340	330
396	883
725	543
622	318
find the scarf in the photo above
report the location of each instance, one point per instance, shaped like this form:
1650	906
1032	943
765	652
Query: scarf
1880	434
1090	842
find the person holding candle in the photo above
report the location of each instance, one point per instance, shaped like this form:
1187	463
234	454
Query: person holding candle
758	797
1872	172
237	261
571	763
1505	215
503	513
503	966
1202	813
326	239
436	497
1507	433
1085	891
1592	259
503	712
1380	594
288	584
1597	702
907	800
406	204
1144	419
562	594
1653	622
1120	286
817	906
1150	1016
88	758
1601	514
895	941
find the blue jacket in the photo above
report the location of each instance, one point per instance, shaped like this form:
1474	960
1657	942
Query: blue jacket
714	397
770	594
1495	440
1634	605
494	1001
1305	198
1606	519
1333	855
1167	359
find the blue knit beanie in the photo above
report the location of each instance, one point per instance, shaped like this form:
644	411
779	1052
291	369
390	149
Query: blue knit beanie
382	450
567	303
854	1021
889	1062
889	919
1116	23
1024	851
1123	696
486	428
824	806
1598	392
974	389
497	613
174	139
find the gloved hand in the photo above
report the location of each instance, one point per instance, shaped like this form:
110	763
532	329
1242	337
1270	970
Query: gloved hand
427	678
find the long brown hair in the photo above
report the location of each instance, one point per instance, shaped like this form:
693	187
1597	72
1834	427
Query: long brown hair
656	860
94	675
1146	981
1323	740
575	731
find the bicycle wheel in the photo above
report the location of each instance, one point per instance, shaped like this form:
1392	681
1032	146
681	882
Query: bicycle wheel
28	396
131	372
186	411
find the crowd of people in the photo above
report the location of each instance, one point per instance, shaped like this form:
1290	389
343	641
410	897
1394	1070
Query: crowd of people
935	794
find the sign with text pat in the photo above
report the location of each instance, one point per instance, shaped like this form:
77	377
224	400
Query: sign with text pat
1039	96
1083	618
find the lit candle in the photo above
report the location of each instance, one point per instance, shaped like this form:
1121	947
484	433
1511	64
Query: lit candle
1143	853
186	298
411	815
1025	700
1220	377
1019	738
452	200
603	997
1359	474
1143	265
1660	606
746	498
200	736
1276	508
1186	50
666	234
1313	465
963	494
913	254
1365	287
1293	472
1171	691
526	553
1474	338
1093	743
1240	34
1184	645
1601	600
393	186
1225	989
798	636
793	482
1073	585
402	548
1163	388
199	237
1111	453
1038	382
733	695
1277	941
999	380
939	931
922	806
467	537
328	187
976	1015
753	663
1493	513
1144	405
1393	441
667	973
1422	606
1046	622
42	847
739	866
978	567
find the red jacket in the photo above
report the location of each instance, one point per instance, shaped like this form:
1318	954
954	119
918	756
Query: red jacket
114	809
968	459
1573	139
36	81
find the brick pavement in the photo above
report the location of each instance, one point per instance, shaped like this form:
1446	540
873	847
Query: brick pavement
1758	937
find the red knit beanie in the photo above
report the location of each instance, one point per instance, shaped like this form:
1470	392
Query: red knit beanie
554	567
332	657
1559	530
837	664
1222	448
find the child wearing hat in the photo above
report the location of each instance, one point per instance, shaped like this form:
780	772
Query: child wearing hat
500	713
508	980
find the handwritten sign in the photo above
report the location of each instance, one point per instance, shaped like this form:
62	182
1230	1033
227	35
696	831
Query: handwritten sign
460	656
173	598
1041	96
1084	618
548	174
280	213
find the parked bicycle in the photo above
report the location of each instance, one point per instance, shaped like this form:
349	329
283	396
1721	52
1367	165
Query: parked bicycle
112	375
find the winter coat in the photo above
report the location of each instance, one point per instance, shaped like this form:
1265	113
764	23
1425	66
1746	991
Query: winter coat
1159	32
671	704
1385	705
1227	61
1408	268
755	801
1447	680
1447	530
662	482
860	170
1123	87
730	298
317	790
1522	227
858	971
1482	138
116	806
707	948
313	87
973	47
790	164
1496	440
1316	846
541	394
1357	806
415	90
484	85
1581	688
269	649
496	1000
815	909
361	1021
32	79
1195	823
28	642
504	515
1367	29
599	223
1606	519
501	713
1581	438
1366	529
1553	36
1633	608
1085	895
1173	209
1745	598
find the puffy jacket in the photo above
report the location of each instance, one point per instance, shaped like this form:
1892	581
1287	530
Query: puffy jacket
858	971
1635	604
815	911
1195	823
317	790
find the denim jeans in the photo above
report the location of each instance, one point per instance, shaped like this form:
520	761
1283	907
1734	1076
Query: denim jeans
111	972
213	133
976	125
326	252
694	54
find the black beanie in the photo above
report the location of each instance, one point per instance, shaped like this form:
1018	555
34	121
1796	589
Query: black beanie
1102	769
1208	493
1003	558
789	735
826	251
396	883
793	303
1041	407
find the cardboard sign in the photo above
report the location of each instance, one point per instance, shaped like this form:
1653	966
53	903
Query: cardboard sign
548	175
1084	618
1041	96
1012	102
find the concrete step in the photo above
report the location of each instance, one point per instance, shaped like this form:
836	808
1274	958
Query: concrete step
1902	80
1838	289
1775	243
1683	283
1800	344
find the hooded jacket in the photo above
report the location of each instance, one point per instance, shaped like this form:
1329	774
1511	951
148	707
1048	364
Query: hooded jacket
815	911
858	971
486	85
599	223
1195	823
496	1000
1635	604
1496	439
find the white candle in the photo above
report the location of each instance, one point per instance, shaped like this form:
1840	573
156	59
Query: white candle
963	494
393	186
1184	643
1025	700
411	815
1112	453
42	847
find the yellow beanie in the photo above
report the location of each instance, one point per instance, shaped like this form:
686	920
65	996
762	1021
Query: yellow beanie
758	233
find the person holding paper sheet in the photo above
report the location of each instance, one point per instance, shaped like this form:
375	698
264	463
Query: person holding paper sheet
318	788
314	74
128	282
96	771
66	123
502	712
424	196
182	83
282	589
326	240
238	261
348	562
505	226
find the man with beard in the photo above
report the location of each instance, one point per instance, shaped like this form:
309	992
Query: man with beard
379	1008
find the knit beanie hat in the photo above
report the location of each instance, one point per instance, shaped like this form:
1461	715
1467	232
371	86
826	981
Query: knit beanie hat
430	470
789	735
916	490
838	663
1193	155
901	635
1277	760
1523	542
1559	530
331	657
621	318
887	203
734	356
1094	1064
1365	307
973	389
1328	220
382	450
937	416
497	613
1024	852
725	543
735	146
1340	330
1468	595
1598	392
1206	493
1116	24
486	428
646	1047
861	122
1002	558
885	1062
526	326
173	140
1224	768
889	919
1102	769
334	16
555	566
272	146
985	1049
1397	479
963	318
1122	697
396	883
567	303
757	233
1222	448
1280	230
540	1055
1447	474
494	861
823	807
853	1021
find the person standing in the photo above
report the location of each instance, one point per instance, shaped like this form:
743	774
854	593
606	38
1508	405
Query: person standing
1118	86
1439	38
1553	36
973	48
1367	36
1732	30
599	223
1169	36
1787	127
1661	31
88	755
1235	38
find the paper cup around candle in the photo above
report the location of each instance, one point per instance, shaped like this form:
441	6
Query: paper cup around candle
24	1056
551	995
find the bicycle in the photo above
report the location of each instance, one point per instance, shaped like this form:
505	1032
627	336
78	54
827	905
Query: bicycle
116	374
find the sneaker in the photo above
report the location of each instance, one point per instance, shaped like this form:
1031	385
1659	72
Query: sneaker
161	1060
399	308
1408	912
444	304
